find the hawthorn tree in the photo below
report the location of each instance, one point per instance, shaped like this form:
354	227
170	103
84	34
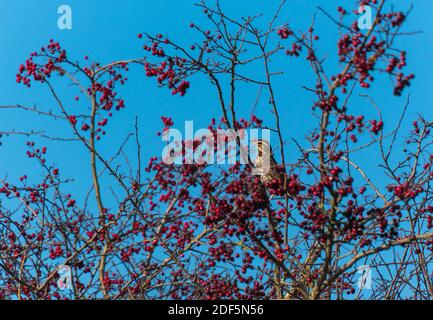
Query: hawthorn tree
202	231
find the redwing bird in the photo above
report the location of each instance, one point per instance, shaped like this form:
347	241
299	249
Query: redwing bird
265	164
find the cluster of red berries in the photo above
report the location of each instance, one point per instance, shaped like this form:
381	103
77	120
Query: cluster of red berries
168	72
38	72
284	33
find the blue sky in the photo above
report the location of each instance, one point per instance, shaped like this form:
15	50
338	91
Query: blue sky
106	30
